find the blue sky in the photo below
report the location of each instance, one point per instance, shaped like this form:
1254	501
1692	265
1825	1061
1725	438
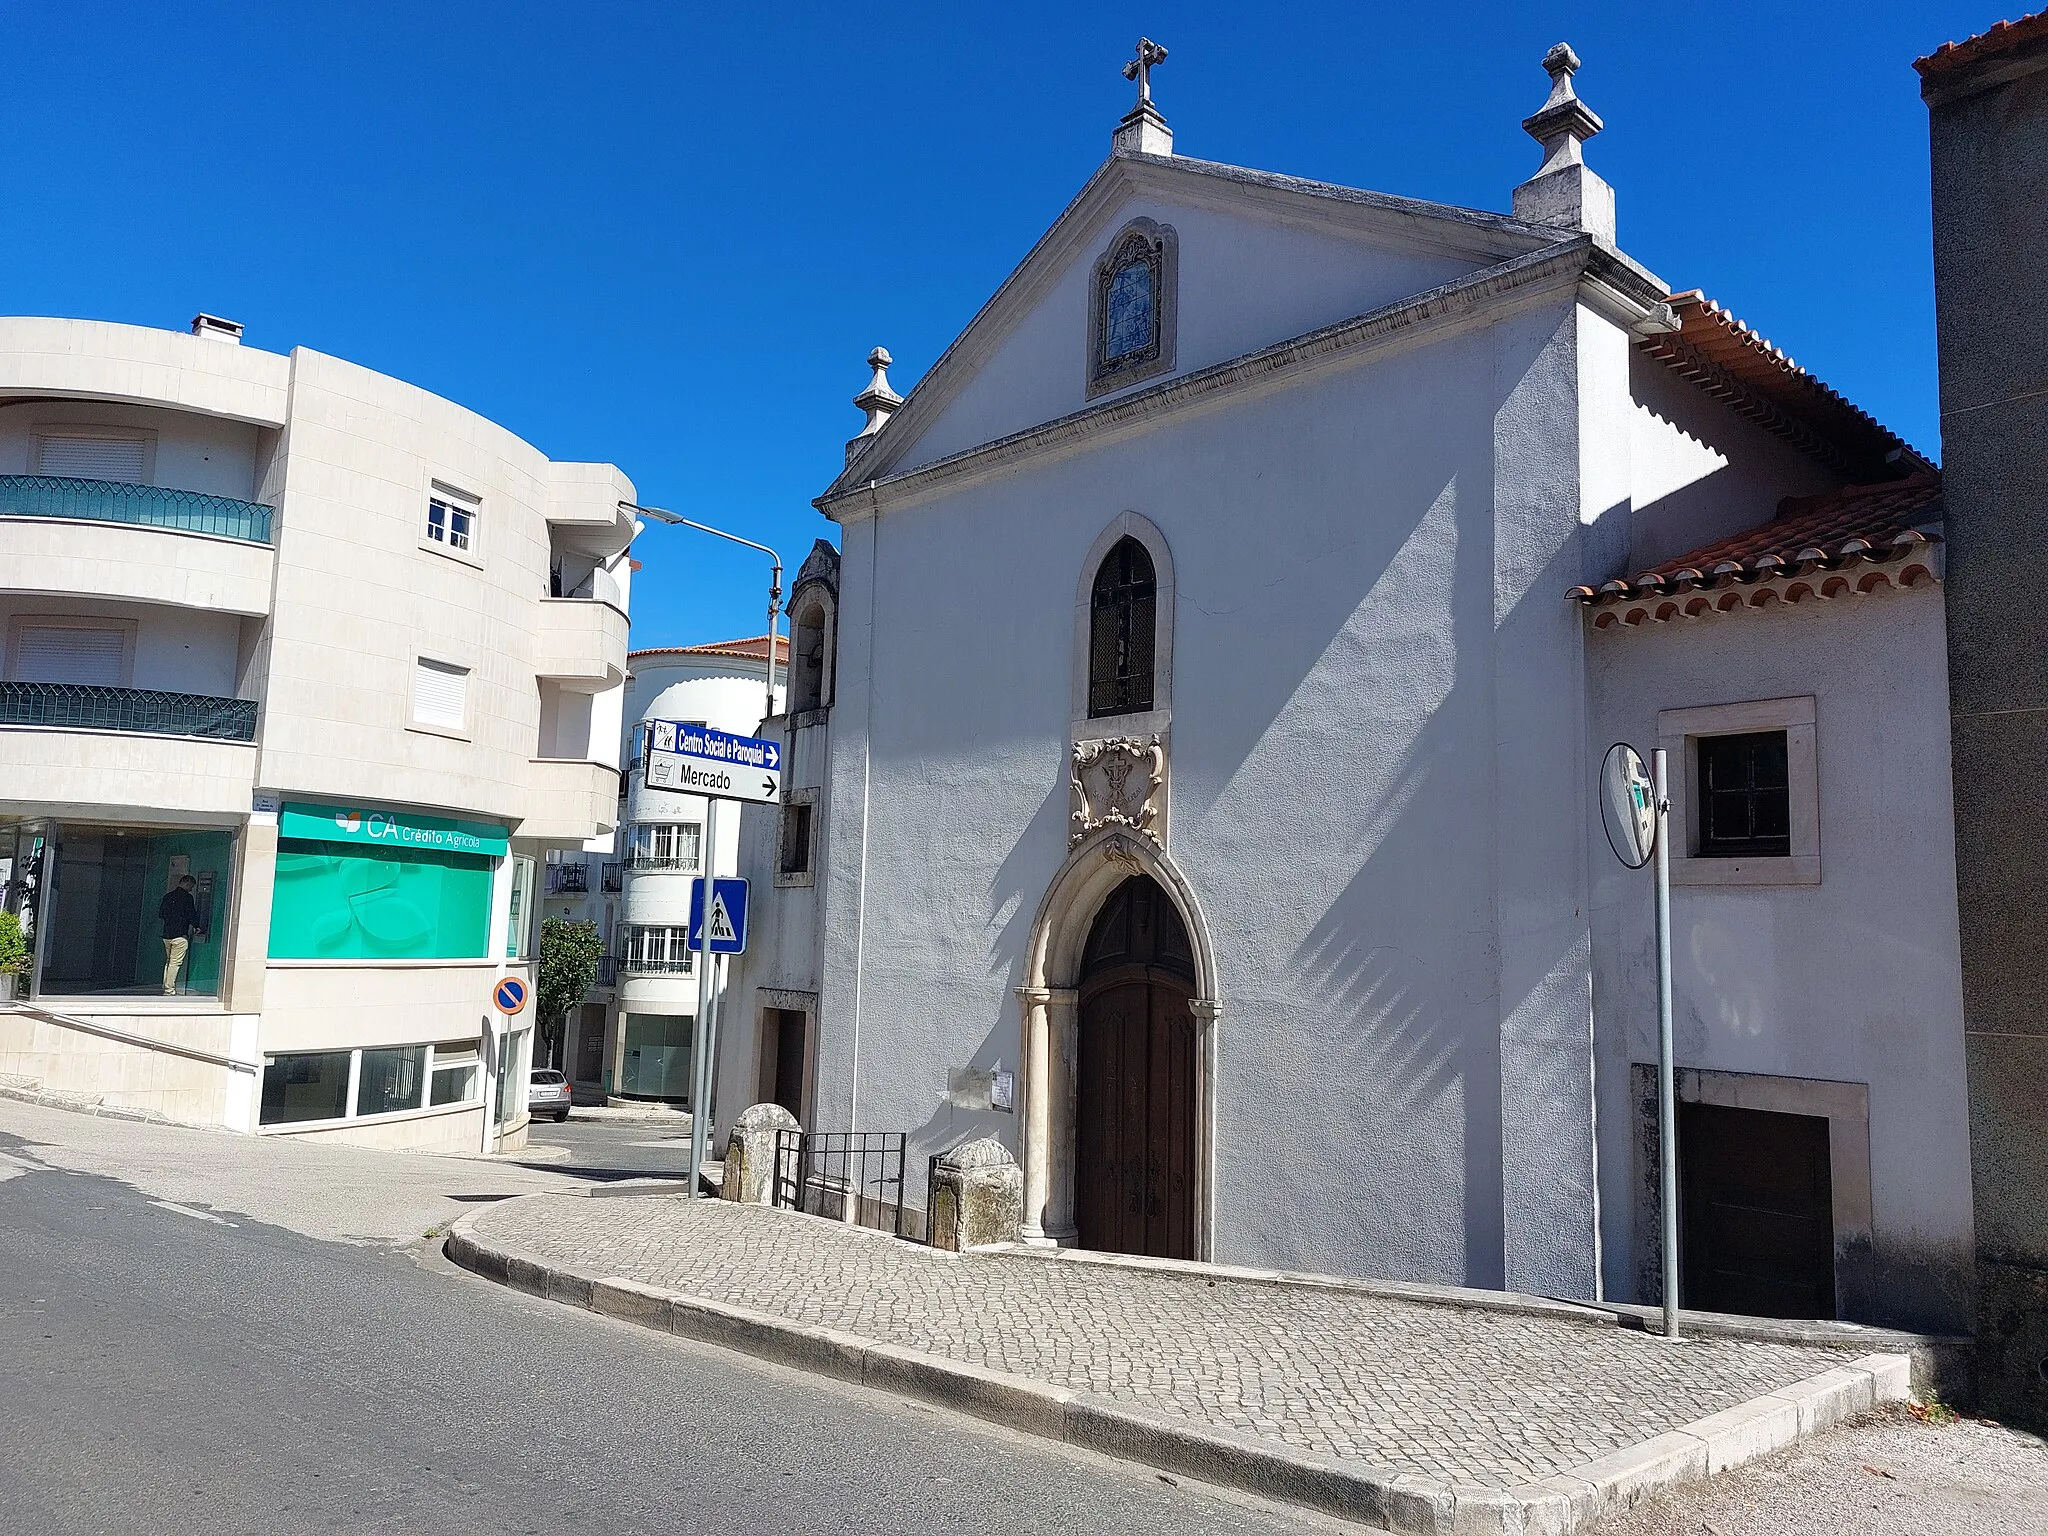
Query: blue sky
666	235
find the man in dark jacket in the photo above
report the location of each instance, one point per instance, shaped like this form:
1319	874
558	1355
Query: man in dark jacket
179	913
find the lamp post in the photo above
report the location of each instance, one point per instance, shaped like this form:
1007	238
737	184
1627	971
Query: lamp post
663	515
705	1072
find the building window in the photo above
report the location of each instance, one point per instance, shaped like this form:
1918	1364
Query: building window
796	838
312	1086
807	659
1745	797
454	1074
658	950
95	453
1131	311
1123	617
440	695
451	522
517	920
1745	792
53	648
670	845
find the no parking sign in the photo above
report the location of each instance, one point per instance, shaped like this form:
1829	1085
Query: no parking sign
509	996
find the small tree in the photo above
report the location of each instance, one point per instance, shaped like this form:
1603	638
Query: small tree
568	965
14	955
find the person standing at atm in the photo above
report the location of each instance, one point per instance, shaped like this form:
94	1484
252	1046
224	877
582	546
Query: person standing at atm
179	914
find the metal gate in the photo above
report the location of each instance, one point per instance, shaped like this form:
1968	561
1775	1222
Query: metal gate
850	1176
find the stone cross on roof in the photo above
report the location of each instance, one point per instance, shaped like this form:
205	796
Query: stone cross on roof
1143	131
1140	68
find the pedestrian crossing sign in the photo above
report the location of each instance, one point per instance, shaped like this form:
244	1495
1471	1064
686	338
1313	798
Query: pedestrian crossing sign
728	916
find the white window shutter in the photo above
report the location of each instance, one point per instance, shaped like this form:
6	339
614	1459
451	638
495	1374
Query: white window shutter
110	457
440	694
60	653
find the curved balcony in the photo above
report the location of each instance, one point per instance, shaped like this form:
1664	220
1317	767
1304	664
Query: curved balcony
139	506
580	640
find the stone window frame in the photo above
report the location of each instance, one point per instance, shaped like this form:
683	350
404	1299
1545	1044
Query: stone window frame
1161	246
1678	731
1846	1108
808	875
1133	525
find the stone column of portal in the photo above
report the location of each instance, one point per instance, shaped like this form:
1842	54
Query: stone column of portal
1037	1111
1206	1011
1063	1050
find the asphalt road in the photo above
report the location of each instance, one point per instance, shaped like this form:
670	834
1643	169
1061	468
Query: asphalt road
203	1332
610	1150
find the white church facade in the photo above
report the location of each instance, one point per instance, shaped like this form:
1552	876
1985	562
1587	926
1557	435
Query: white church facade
1225	636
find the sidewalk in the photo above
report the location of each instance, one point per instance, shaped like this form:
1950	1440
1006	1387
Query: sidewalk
1516	1415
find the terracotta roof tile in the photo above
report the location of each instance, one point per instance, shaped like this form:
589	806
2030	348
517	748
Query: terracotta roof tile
2000	37
1729	361
752	648
1858	539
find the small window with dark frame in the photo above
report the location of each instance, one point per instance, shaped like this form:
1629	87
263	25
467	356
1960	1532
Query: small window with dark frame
1122	625
1745	796
796	838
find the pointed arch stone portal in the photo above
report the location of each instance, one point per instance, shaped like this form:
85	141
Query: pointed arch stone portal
1050	1004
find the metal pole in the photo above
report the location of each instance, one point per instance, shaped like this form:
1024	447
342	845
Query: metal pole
663	515
700	1075
1667	1109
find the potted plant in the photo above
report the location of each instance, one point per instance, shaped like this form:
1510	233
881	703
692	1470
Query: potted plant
14	956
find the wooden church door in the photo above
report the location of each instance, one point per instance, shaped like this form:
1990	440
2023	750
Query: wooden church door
1136	1142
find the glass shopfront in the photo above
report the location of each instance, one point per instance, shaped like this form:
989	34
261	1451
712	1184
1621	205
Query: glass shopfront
381	885
134	911
655	1060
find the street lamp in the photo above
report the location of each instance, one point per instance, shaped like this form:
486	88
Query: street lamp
663	515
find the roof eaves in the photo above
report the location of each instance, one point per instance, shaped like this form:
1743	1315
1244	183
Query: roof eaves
2000	52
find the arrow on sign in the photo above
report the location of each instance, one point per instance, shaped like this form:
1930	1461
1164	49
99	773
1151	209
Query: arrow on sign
768	785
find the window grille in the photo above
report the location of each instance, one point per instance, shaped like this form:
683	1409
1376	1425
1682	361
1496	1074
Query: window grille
1745	796
1123	619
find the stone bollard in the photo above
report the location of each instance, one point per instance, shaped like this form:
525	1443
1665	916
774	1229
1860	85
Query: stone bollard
750	1154
977	1196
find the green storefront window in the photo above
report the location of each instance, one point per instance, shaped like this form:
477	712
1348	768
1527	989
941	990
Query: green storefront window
346	901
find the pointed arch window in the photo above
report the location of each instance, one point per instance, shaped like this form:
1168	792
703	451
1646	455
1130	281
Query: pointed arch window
1123	625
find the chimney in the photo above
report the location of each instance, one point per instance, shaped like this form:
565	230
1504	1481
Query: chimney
213	328
878	400
1563	193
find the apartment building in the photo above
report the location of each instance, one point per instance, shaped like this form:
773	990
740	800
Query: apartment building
305	672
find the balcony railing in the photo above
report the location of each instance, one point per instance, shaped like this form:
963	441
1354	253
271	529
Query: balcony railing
143	506
81	707
686	862
613	877
568	880
607	972
657	965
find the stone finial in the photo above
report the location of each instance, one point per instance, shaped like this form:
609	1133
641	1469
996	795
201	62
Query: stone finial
878	400
1563	193
1143	131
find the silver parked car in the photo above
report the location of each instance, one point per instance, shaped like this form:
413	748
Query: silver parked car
547	1093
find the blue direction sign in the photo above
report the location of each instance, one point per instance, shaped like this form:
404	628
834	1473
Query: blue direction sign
728	916
509	995
717	764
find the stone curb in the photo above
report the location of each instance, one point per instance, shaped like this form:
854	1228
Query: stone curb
86	1105
1399	1502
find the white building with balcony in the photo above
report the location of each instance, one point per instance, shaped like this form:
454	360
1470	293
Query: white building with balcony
633	1037
335	658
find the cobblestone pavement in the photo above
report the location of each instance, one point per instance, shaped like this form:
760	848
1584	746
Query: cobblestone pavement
1462	1395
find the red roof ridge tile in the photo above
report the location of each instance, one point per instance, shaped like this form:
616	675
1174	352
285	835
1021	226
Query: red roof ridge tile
1999	37
1858	538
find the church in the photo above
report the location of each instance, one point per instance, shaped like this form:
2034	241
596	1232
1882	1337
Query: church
1192	747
